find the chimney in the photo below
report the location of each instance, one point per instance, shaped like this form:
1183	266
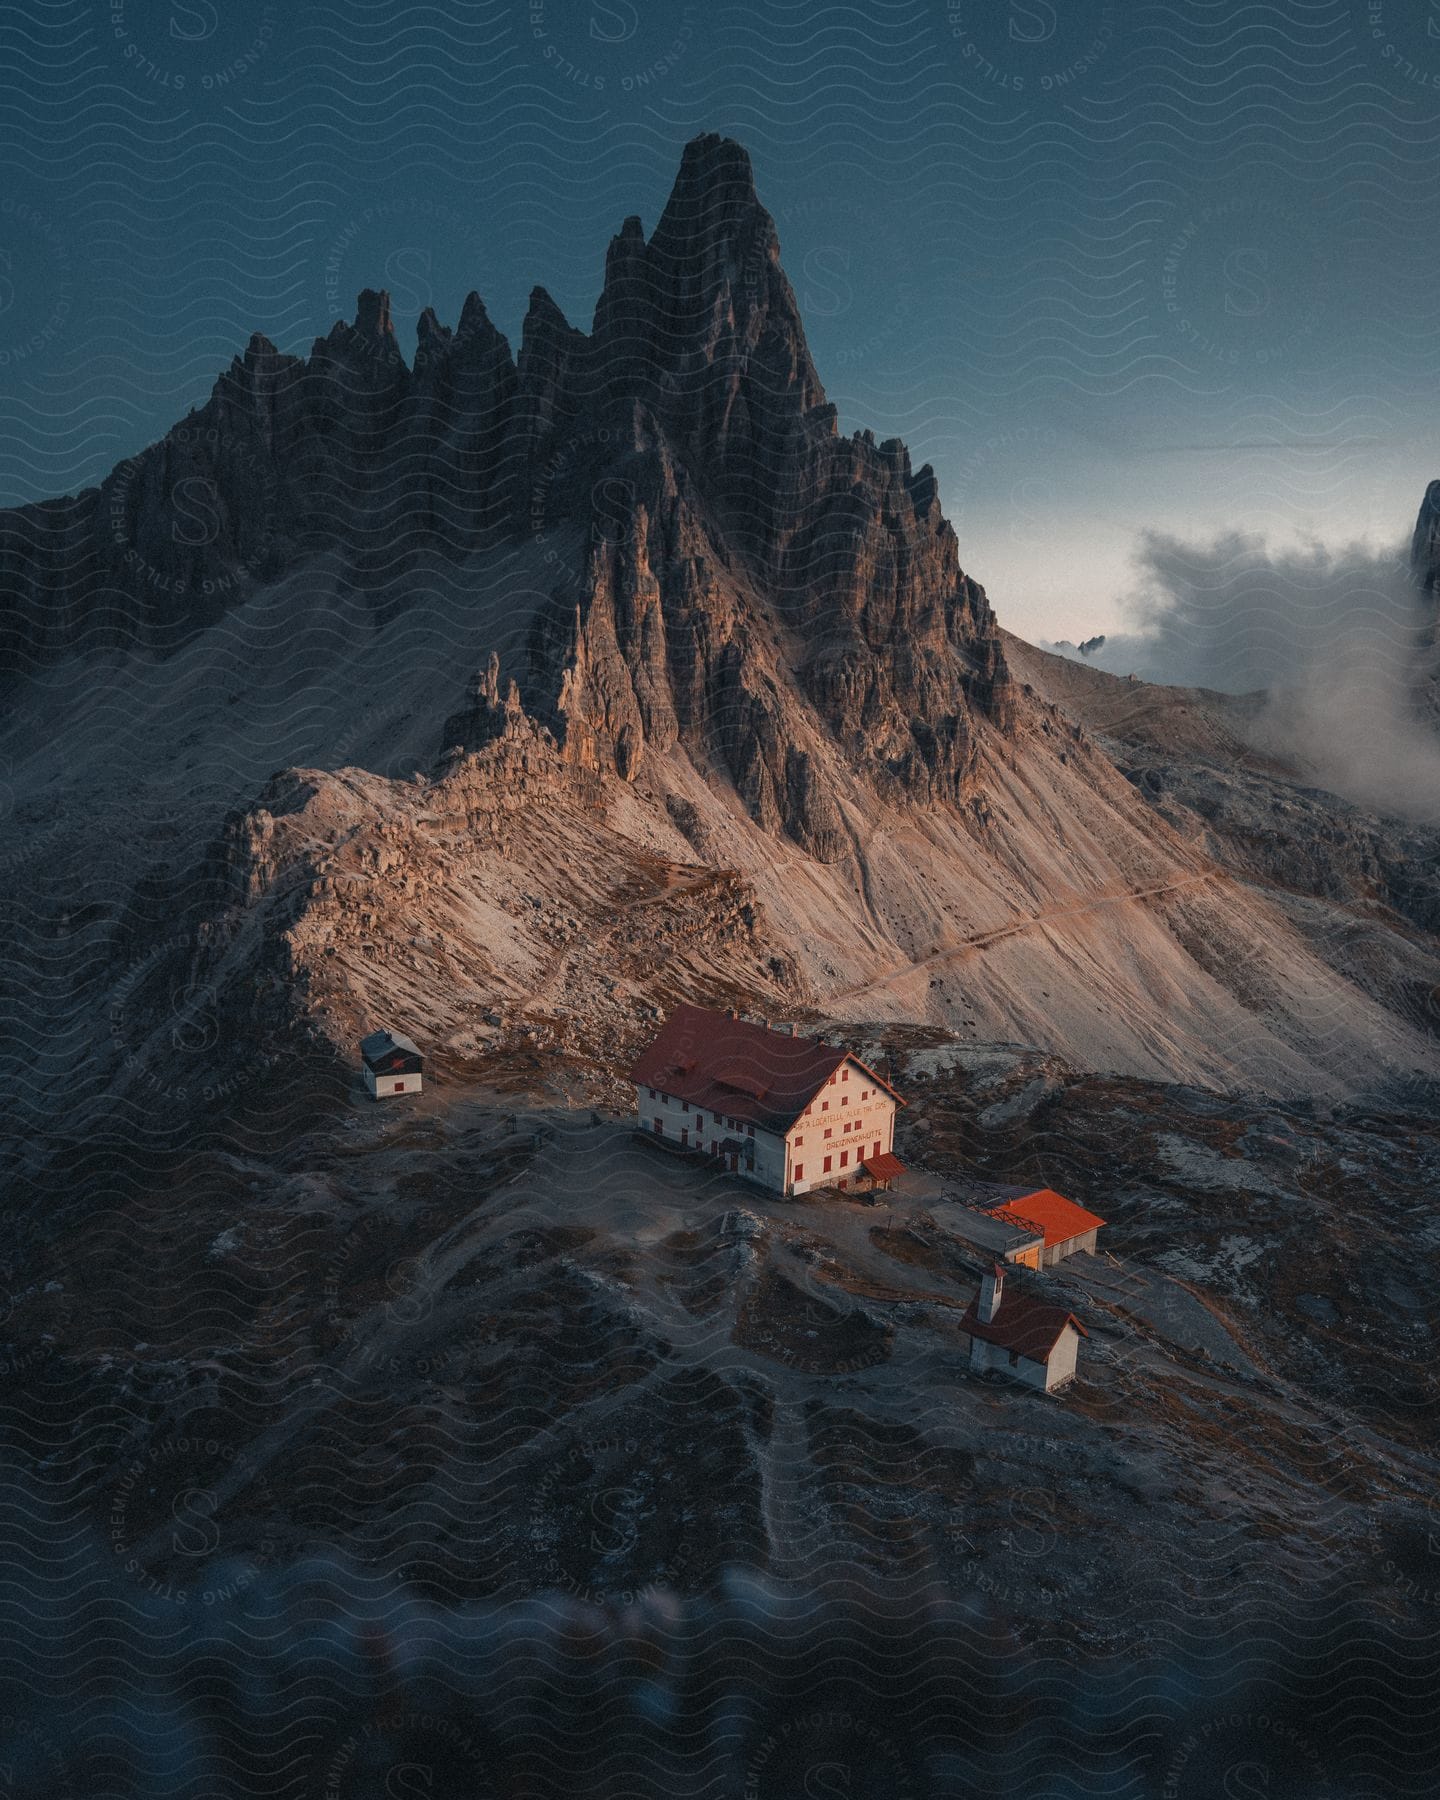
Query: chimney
992	1287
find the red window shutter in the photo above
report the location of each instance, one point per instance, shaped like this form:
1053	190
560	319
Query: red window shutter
875	1148
799	1171
844	1159
399	1087
828	1161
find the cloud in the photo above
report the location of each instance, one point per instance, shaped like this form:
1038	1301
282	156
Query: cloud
1337	638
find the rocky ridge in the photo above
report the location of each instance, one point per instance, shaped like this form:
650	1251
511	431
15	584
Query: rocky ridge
738	728
688	437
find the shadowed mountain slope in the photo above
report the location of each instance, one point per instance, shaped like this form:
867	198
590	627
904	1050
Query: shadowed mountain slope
599	677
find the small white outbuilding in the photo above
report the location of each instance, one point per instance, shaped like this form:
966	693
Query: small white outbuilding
1017	1334
393	1065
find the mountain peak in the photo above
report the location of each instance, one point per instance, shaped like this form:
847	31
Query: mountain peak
429	330
713	162
713	206
686	440
372	314
474	319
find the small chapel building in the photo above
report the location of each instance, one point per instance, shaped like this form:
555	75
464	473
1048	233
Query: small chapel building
1020	1335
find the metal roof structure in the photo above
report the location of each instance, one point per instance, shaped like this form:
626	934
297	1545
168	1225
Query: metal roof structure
382	1044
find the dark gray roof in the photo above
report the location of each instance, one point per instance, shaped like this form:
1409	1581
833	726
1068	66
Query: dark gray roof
380	1043
987	1232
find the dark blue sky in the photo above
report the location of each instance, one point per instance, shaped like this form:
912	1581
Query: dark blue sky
1107	266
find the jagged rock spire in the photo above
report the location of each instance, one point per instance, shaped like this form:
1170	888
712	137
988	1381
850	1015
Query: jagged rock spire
1425	545
372	314
783	602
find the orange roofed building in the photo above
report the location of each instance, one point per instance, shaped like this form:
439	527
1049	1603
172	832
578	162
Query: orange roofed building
790	1113
1058	1227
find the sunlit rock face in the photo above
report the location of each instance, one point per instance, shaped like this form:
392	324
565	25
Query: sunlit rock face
748	582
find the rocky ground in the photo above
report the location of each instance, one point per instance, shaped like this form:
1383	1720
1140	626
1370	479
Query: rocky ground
495	1345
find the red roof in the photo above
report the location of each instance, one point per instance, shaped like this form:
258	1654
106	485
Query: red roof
1029	1327
1044	1210
739	1070
884	1167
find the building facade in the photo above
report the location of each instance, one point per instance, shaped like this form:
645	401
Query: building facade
392	1065
1064	1228
1020	1336
790	1113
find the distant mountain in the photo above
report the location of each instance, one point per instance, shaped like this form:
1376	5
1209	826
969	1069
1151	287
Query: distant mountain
609	674
1425	544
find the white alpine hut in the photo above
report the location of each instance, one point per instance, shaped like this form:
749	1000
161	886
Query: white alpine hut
1020	1335
393	1065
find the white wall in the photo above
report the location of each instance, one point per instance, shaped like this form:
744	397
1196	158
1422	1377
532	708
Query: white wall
1058	1252
1062	1361
985	1355
769	1170
874	1116
677	1118
835	1106
383	1086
